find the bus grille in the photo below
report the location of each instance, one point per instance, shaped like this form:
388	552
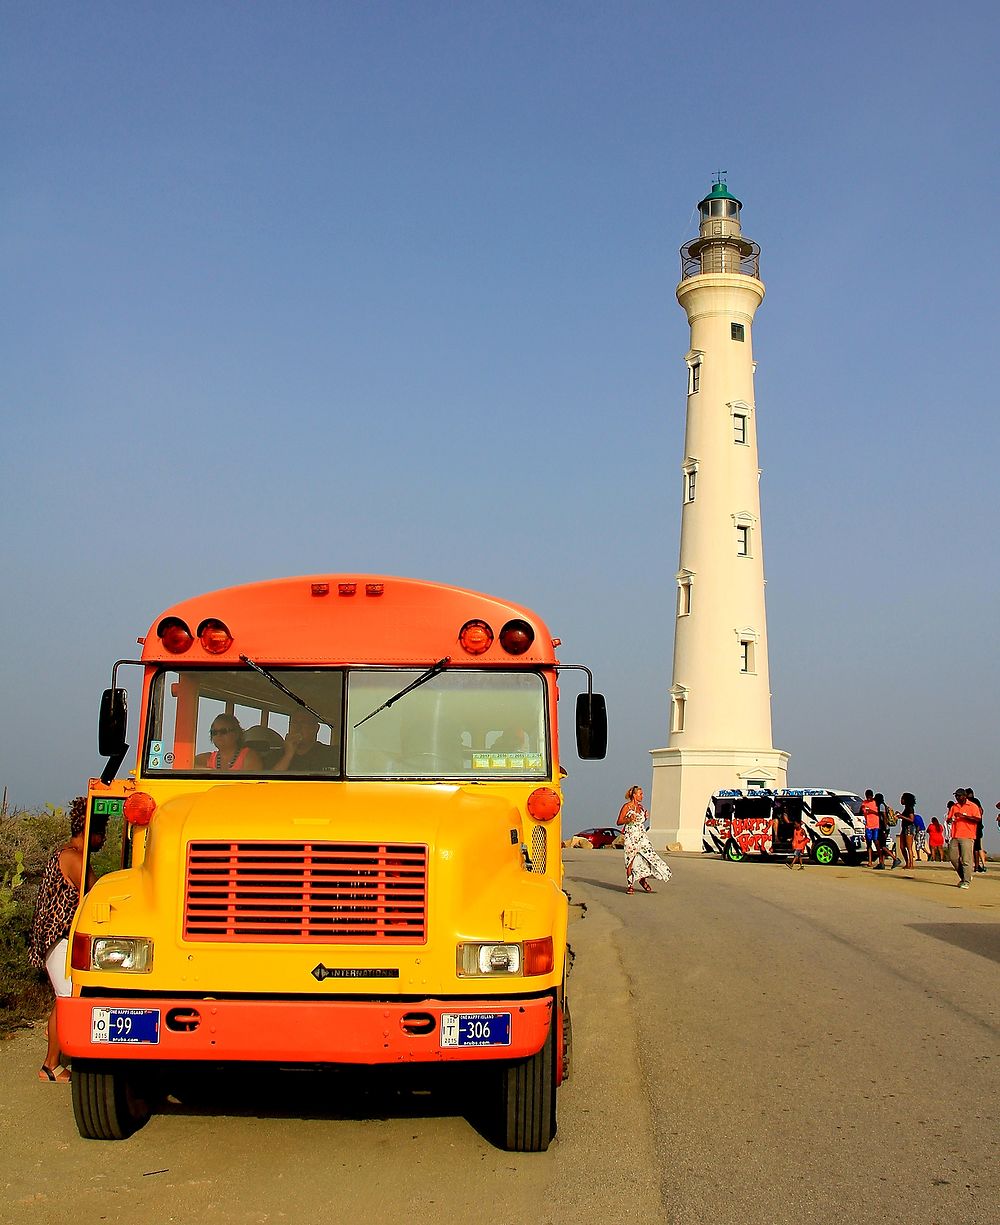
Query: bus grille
306	892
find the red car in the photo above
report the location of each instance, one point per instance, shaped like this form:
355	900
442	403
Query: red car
600	837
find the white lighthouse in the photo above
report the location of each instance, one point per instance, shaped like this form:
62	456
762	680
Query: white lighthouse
720	699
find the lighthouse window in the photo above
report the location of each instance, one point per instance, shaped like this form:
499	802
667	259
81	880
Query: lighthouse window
742	540
746	656
737	331
684	597
677	704
689	484
695	379
740	428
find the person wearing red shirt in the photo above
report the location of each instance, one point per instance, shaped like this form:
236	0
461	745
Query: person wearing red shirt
965	818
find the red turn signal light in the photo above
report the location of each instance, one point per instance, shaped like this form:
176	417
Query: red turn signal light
214	637
543	803
475	637
81	951
175	636
538	958
516	637
139	808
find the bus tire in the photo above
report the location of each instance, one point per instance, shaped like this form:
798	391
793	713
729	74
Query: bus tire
107	1101
825	853
567	1040
732	852
528	1099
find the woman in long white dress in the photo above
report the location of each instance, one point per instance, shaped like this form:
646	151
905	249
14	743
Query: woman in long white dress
641	861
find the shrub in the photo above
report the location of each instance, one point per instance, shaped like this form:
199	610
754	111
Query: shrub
27	839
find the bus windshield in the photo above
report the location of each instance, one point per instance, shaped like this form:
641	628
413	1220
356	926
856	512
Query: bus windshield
461	724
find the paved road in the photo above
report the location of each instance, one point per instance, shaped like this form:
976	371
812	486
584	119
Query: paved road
752	1045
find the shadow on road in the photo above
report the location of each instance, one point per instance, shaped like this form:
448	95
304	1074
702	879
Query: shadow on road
980	938
371	1094
598	884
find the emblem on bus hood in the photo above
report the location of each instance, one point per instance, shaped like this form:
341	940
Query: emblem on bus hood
322	972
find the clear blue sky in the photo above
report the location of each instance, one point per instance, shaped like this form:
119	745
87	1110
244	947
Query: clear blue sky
390	287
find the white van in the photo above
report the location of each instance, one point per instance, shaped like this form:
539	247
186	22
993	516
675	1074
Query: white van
739	824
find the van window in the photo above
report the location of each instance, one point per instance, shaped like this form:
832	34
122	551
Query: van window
827	806
750	808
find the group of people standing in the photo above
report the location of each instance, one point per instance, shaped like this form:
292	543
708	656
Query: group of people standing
961	834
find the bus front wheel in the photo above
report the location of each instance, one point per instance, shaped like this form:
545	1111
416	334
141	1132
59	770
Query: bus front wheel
108	1103
528	1099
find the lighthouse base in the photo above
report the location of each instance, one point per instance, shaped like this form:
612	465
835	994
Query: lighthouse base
685	779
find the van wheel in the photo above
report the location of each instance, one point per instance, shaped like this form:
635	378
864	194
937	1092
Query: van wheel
527	1100
732	852
108	1101
825	852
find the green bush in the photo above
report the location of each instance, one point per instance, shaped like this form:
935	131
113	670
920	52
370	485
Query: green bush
27	839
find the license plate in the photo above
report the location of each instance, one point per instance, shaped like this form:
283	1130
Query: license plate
125	1025
475	1029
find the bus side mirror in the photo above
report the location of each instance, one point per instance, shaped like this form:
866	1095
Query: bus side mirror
111	729
591	726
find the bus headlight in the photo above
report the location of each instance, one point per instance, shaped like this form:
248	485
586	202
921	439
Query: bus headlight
126	954
477	960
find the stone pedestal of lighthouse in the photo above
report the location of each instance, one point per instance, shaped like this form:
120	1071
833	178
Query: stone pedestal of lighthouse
720	699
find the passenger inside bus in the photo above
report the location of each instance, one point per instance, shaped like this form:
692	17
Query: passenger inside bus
513	739
303	752
230	752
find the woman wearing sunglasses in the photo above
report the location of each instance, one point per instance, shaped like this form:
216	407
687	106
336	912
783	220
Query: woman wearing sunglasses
230	753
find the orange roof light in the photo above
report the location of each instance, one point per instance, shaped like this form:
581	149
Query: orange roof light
516	637
320	588
174	635
138	808
475	637
347	588
543	803
374	588
214	637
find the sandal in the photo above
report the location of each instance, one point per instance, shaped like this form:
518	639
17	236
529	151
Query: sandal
57	1075
629	889
645	886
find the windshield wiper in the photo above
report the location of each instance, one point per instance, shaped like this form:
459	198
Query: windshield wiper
269	676
422	679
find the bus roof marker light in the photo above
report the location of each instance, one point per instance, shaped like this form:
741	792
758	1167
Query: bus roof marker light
319	589
214	637
516	637
174	635
347	588
138	808
543	803
374	588
475	637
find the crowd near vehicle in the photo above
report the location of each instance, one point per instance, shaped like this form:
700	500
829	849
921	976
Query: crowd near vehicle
600	837
342	847
740	823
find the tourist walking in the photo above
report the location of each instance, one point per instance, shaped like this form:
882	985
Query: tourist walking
886	820
58	898
908	804
935	840
978	854
641	861
800	844
964	822
869	810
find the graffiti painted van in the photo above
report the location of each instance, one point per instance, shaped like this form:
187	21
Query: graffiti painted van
743	823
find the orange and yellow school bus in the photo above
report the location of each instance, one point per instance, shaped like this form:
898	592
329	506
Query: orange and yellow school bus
342	846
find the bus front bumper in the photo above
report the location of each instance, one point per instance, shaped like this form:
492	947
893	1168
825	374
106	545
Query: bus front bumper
302	1031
